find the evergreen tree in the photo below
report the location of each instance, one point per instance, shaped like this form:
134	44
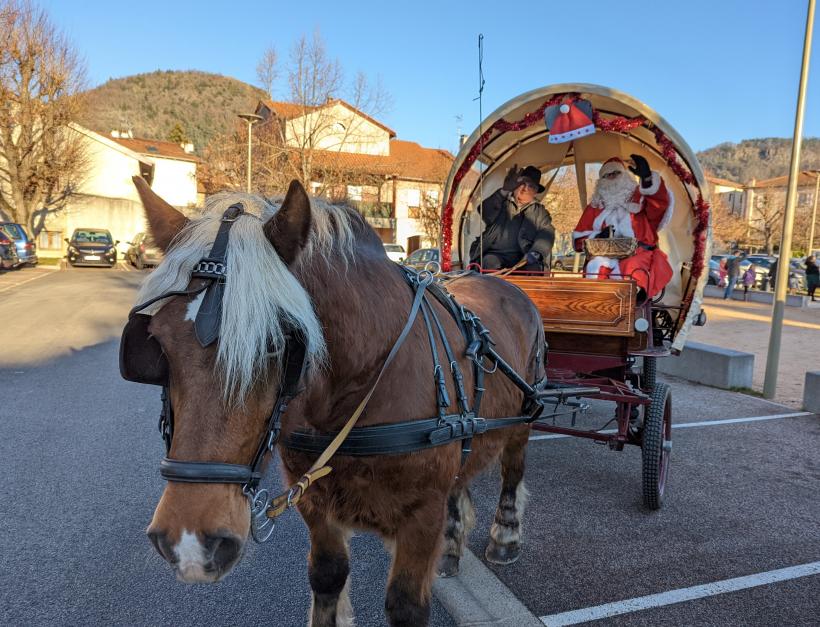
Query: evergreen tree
177	134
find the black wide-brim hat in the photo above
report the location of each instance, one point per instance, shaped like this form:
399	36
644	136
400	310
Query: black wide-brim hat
531	175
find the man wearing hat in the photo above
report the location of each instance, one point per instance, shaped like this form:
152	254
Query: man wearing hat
622	208
517	227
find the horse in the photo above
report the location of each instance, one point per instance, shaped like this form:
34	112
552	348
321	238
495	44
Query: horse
321	268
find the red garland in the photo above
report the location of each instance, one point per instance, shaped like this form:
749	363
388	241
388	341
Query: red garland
615	124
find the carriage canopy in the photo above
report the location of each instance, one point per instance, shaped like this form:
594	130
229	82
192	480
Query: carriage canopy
517	133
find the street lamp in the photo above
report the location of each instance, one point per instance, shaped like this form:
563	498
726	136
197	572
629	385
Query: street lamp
251	119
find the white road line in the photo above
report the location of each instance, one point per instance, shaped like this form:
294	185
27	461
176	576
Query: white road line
684	425
678	596
34	278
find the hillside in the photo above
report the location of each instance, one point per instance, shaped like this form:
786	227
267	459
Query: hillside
152	104
757	158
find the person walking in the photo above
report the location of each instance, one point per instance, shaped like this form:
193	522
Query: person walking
749	278
733	272
812	275
773	274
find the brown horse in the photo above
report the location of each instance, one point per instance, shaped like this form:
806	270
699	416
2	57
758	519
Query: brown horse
321	267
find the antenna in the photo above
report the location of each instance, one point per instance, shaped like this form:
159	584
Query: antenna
480	146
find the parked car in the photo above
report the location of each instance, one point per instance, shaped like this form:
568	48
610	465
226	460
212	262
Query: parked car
23	242
8	253
395	252
424	259
92	247
143	252
714	273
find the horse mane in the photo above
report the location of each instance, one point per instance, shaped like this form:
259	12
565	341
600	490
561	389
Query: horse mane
262	296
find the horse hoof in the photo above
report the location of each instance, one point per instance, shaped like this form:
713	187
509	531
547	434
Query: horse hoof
448	566
502	554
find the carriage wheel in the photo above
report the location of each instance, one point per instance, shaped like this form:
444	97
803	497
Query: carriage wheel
656	446
650	372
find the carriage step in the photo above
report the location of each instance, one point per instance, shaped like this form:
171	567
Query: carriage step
554	390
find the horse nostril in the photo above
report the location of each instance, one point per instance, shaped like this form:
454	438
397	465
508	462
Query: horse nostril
223	549
160	542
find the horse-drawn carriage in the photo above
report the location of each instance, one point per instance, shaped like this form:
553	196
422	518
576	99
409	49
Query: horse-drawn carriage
281	325
599	334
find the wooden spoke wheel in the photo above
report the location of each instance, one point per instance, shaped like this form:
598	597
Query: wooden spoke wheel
656	445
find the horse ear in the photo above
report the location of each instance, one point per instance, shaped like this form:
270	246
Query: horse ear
289	228
163	220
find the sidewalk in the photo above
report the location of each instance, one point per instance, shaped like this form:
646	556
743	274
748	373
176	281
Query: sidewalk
746	327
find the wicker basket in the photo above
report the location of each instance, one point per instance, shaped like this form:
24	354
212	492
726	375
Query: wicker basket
615	247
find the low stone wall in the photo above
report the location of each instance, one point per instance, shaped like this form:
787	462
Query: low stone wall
811	392
712	365
755	296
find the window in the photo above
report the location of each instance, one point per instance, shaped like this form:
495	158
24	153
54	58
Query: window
804	198
50	240
414	213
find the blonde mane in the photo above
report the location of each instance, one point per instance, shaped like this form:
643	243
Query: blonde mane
262	296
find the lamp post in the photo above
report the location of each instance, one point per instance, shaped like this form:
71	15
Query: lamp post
251	119
810	247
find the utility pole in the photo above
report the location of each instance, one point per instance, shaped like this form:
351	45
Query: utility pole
251	119
810	247
784	263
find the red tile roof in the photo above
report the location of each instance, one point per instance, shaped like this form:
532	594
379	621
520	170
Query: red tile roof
155	148
407	160
291	110
806	177
714	180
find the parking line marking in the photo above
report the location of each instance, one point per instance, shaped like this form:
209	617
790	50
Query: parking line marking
637	604
684	425
34	278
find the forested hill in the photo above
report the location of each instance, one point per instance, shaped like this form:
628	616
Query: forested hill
757	158
203	104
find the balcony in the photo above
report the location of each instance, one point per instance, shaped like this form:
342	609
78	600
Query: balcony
377	214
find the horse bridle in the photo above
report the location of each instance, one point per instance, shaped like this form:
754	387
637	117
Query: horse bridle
142	361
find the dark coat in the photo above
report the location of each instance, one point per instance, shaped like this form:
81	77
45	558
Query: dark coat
508	227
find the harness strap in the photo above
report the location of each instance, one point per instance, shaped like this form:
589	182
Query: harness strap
442	398
319	469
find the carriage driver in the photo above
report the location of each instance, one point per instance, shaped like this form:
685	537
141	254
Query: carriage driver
518	229
620	208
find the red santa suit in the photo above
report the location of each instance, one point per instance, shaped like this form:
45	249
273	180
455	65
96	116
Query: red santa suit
648	211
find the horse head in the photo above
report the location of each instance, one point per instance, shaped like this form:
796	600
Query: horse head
221	393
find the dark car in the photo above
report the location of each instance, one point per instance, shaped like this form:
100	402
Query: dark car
8	253
92	247
26	248
566	261
143	252
424	259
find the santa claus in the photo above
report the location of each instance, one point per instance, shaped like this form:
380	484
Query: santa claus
620	208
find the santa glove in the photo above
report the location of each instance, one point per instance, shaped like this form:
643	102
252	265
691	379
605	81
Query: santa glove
533	257
511	180
641	169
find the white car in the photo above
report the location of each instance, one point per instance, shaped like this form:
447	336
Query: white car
395	252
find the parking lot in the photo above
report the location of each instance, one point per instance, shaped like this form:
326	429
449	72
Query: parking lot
736	542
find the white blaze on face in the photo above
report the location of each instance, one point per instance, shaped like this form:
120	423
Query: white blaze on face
193	307
191	559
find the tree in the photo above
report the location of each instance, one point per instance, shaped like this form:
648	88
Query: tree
767	220
728	229
42	159
177	134
306	145
267	70
564	205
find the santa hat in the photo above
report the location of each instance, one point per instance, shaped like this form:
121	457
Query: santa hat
612	165
569	121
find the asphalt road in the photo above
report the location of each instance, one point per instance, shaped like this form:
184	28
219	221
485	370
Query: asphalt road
79	453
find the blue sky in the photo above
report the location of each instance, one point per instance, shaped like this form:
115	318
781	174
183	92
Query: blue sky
719	70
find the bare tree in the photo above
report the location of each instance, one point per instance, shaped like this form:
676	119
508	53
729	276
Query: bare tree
267	70
728	229
42	160
767	220
564	205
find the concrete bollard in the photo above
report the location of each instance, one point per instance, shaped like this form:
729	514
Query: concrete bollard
712	365
811	392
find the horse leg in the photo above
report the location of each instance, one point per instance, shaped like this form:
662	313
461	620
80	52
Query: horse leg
329	574
460	521
505	534
410	583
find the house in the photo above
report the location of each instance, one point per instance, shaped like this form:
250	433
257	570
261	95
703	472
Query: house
348	155
766	203
106	197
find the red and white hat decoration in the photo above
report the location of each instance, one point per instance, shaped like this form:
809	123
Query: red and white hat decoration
569	121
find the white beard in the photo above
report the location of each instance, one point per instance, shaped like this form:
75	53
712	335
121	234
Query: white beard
614	194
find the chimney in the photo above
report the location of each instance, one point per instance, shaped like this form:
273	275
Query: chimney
187	147
462	139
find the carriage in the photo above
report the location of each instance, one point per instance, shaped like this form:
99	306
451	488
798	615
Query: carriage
603	343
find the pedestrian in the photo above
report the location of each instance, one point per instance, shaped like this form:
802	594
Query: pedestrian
748	280
733	272
812	275
518	228
722	272
773	274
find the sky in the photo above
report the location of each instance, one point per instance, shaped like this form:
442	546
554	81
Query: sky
718	71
